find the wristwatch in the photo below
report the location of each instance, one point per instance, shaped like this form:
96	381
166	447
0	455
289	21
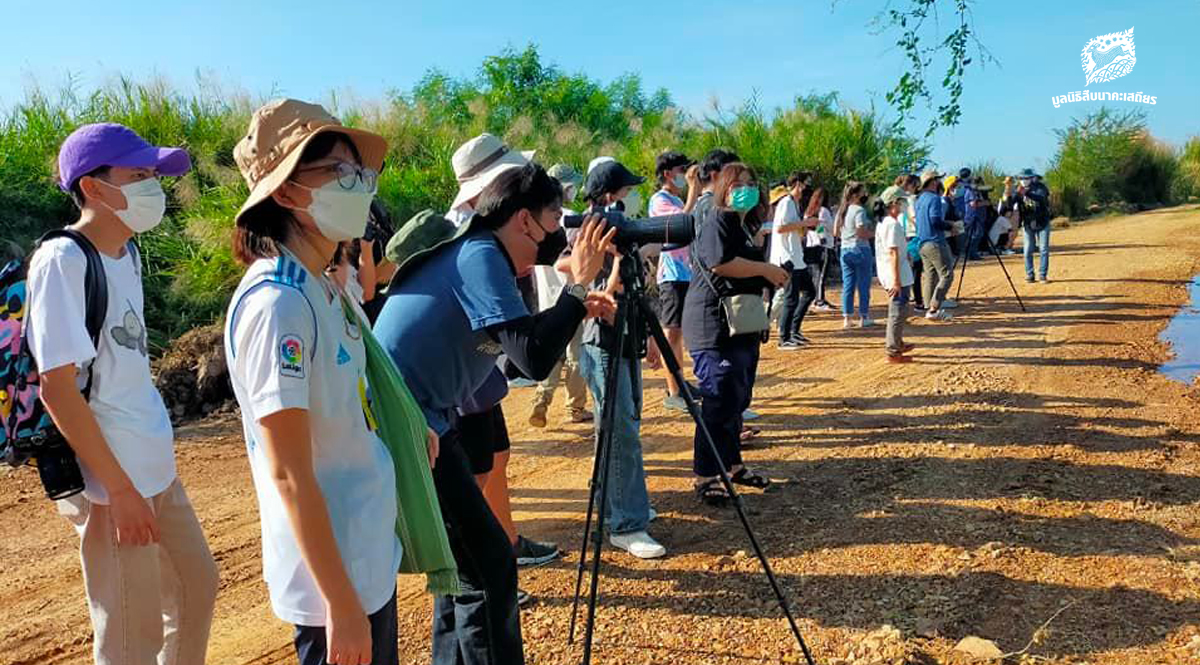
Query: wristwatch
577	291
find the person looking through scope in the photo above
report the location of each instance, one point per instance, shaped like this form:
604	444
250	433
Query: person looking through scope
453	308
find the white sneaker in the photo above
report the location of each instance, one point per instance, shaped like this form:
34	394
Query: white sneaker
639	544
846	324
949	303
939	315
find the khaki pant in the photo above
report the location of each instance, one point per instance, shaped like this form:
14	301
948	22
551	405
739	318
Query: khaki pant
150	605
576	386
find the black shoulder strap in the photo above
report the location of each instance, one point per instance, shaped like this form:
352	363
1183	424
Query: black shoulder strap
95	289
95	284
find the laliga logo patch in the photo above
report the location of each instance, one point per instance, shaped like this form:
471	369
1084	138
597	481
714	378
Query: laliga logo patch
1108	57
291	356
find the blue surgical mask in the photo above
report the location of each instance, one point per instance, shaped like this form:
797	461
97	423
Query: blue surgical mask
744	198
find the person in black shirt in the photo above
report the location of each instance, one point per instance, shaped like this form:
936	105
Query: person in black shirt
726	261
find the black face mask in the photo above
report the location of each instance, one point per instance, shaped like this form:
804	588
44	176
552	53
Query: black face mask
551	247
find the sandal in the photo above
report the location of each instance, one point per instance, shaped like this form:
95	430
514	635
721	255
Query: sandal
744	476
711	492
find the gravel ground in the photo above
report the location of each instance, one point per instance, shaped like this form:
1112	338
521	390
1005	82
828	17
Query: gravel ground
1027	462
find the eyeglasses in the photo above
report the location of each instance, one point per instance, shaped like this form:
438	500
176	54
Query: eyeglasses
348	175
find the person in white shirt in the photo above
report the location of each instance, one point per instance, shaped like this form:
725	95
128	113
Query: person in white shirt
150	578
895	272
325	482
548	284
790	231
854	229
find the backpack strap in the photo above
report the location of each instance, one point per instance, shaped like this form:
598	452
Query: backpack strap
95	289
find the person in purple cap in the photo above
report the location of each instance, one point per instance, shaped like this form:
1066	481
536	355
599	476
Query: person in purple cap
150	578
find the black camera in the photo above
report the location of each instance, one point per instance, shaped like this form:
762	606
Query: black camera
58	469
674	230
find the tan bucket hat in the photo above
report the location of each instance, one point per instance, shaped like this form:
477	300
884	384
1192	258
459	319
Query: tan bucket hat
477	163
279	132
927	176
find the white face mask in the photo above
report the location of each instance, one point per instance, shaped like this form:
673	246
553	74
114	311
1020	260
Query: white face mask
340	214
633	202
145	203
680	182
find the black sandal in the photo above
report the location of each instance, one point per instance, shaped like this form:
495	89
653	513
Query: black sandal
744	476
711	492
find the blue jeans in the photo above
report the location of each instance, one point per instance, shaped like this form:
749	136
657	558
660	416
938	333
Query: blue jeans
858	267
628	500
311	648
726	377
1042	239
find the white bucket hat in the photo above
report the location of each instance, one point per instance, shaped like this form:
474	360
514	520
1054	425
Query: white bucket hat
477	163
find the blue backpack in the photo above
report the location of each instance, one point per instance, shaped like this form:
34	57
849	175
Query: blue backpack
26	431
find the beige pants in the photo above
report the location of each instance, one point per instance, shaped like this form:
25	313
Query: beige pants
576	386
150	605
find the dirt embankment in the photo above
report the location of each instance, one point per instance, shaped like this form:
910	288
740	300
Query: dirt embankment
1026	461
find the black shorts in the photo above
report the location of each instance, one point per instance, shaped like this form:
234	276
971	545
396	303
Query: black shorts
483	435
670	303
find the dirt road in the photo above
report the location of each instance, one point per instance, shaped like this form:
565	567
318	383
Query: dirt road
1025	462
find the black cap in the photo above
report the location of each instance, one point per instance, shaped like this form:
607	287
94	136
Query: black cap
609	177
964	173
670	160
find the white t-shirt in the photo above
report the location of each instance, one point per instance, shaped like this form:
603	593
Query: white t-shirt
888	235
822	235
787	246
123	398
289	346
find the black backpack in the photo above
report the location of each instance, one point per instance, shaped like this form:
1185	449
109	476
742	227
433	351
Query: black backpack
26	431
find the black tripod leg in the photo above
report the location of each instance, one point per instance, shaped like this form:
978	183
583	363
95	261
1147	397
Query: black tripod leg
673	366
598	486
963	256
609	411
992	249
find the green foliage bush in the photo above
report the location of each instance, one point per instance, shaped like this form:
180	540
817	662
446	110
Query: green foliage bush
531	104
1108	158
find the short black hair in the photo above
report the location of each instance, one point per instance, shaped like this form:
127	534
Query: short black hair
526	188
77	192
964	172
714	161
667	161
264	228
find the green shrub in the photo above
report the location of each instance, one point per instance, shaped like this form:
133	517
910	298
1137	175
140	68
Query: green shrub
532	105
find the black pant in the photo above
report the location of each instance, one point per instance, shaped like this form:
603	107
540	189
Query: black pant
726	376
822	270
918	267
799	296
311	648
481	626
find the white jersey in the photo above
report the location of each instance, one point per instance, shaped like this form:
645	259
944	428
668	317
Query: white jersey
127	406
290	345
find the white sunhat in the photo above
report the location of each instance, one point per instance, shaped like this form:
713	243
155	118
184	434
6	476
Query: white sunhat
477	163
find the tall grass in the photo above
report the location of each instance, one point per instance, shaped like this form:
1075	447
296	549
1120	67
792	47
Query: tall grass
1109	157
532	105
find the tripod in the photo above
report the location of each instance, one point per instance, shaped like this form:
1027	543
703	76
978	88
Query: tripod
992	249
634	316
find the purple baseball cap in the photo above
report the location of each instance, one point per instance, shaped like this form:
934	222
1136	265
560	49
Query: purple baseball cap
109	144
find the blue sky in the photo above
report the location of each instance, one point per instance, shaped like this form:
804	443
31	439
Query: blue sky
775	49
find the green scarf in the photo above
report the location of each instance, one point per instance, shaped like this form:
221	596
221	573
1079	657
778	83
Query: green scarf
402	428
